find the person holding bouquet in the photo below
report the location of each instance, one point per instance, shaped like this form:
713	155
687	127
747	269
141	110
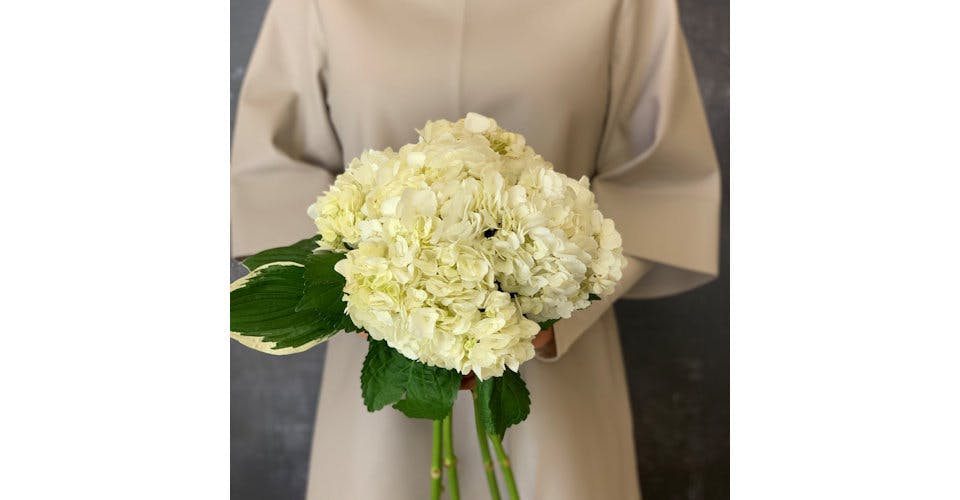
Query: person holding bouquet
603	89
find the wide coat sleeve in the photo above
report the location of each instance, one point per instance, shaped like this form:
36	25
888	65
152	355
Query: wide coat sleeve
285	151
657	174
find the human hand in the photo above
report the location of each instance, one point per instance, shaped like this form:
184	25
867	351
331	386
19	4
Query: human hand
545	343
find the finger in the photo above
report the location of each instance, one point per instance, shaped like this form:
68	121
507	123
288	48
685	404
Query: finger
543	338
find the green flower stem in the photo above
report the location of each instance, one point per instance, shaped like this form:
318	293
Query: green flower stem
505	467
436	473
485	451
449	459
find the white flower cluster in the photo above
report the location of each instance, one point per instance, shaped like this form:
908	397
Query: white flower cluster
458	245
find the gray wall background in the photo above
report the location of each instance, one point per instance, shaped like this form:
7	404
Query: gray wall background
676	349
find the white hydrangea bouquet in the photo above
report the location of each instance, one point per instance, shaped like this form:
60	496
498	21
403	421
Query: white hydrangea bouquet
452	254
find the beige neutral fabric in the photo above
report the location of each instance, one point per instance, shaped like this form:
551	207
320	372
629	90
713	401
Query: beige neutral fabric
602	88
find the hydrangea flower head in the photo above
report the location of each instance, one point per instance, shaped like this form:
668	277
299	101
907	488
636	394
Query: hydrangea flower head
457	246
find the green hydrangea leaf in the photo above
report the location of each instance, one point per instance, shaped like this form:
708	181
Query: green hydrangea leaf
383	376
417	390
430	392
297	252
502	401
419	408
264	315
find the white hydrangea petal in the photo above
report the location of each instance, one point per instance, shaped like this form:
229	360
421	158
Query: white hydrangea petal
477	123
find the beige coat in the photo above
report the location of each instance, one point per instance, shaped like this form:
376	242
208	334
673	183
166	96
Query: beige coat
602	88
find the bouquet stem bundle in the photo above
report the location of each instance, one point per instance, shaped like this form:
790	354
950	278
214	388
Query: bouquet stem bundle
436	473
485	451
505	467
443	447
449	459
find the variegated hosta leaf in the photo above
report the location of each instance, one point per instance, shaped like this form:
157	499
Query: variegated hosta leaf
288	307
270	347
297	252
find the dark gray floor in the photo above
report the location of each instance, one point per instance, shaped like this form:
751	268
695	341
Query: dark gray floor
676	349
